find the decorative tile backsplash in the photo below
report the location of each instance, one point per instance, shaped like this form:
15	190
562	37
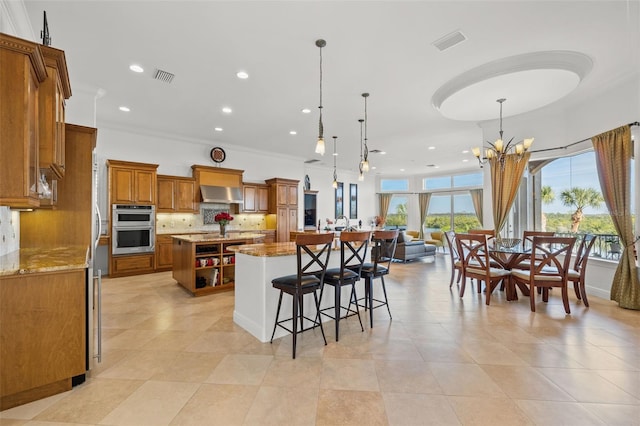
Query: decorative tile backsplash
188	222
9	230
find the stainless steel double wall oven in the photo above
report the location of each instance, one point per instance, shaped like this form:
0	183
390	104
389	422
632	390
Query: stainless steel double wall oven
133	229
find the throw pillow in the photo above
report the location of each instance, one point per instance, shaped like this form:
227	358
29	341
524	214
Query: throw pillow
407	238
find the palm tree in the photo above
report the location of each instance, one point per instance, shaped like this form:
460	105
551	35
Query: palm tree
580	198
547	196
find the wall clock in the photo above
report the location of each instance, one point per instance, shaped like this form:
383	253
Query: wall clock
217	154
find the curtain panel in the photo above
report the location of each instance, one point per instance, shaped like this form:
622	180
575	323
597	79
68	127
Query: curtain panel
423	201
613	151
385	200
476	199
505	182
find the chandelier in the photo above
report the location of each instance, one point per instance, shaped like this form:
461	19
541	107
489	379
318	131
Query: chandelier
335	156
320	144
499	150
361	164
364	164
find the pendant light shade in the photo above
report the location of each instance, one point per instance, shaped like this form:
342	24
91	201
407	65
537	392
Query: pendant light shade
320	144
365	157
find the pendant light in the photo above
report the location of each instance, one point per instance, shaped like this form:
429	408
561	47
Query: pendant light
360	164
365	158
320	144
335	156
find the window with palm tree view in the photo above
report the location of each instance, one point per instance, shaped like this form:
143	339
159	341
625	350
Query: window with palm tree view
572	202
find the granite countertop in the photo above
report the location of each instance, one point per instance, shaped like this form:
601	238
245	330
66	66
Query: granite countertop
217	238
269	249
34	260
173	231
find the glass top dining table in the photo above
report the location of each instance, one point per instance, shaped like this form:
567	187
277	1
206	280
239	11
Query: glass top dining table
508	258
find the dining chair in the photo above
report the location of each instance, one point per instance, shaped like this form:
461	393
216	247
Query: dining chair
383	247
353	249
527	244
474	254
456	263
312	257
490	233
548	268
577	274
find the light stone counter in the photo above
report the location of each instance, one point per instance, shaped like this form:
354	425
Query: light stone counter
217	238
34	260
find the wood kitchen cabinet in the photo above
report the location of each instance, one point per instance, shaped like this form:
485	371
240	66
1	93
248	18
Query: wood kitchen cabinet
132	183
283	201
43	334
256	198
23	71
176	194
52	94
164	252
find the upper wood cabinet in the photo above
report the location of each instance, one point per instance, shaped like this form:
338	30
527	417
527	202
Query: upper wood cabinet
256	198
132	183
176	194
51	108
23	71
282	193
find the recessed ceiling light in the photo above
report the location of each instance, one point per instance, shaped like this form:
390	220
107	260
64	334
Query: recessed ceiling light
124	108
242	75
306	110
136	68
227	110
402	170
293	132
382	152
466	151
431	147
373	167
218	129
465	160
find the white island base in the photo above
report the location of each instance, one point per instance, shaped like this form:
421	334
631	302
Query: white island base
256	301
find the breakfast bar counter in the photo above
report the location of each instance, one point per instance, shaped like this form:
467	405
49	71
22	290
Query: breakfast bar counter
256	301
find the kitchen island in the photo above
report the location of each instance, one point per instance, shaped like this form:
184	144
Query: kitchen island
204	263
256	300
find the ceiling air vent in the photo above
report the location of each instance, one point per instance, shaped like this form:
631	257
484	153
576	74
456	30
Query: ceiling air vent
313	160
449	40
165	76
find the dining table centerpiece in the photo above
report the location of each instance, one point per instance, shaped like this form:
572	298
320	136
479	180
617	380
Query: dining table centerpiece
223	218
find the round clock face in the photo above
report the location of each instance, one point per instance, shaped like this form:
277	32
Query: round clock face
218	155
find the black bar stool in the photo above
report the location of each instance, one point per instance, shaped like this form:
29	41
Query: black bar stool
383	247
353	249
316	249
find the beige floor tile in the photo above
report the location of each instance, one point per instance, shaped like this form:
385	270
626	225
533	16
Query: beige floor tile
131	339
220	342
43	423
525	383
417	409
349	374
406	377
596	358
442	352
627	381
141	365
343	407
492	353
588	386
283	406
546	413
487	411
241	370
394	349
30	410
91	402
153	403
294	373
465	379
544	355
614	414
223	405
172	340
11	422
189	367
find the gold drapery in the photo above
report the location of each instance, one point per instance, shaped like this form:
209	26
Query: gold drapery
385	200
505	182
423	201
476	199
613	159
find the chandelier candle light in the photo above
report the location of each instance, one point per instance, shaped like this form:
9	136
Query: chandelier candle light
320	144
499	150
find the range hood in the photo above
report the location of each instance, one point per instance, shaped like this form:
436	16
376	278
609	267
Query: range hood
221	194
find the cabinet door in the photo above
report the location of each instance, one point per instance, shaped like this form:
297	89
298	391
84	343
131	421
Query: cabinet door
185	195
122	186
282	195
249	194
262	199
166	192
292	195
145	187
164	252
283	224
293	219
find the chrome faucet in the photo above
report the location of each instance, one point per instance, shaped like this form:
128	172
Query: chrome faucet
347	225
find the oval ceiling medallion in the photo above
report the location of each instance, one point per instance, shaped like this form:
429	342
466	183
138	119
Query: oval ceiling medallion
528	81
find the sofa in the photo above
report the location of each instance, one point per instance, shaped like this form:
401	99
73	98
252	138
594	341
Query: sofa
409	248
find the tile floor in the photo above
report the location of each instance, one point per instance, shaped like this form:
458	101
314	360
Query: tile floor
171	359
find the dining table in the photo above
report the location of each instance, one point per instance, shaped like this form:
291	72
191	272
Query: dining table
509	257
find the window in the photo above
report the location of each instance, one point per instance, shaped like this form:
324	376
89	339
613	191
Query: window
397	213
451	206
394	185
